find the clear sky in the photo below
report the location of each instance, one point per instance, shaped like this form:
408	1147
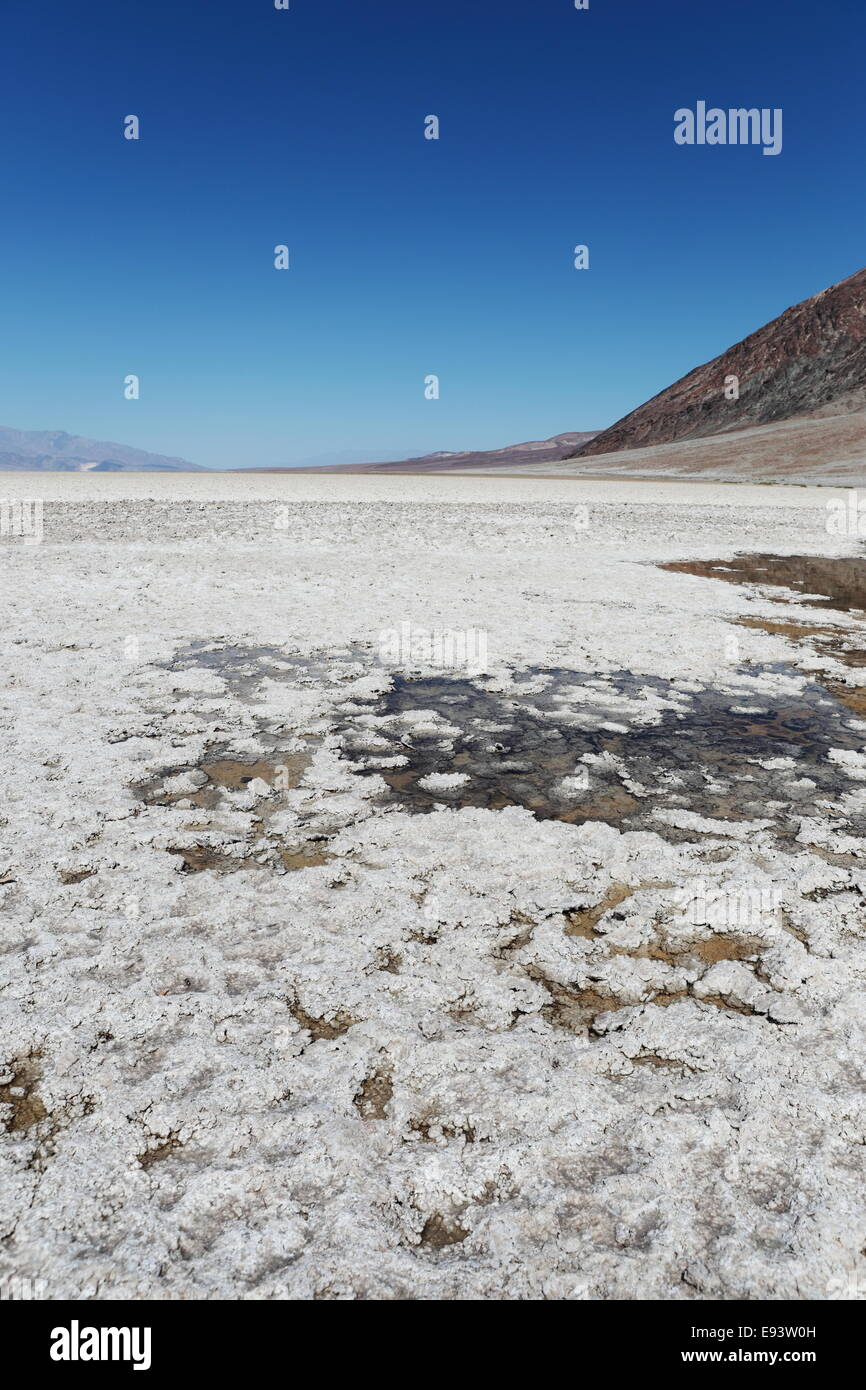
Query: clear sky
409	257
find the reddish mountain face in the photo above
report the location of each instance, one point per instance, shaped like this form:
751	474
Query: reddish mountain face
810	359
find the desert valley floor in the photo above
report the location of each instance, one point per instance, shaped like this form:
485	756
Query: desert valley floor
324	977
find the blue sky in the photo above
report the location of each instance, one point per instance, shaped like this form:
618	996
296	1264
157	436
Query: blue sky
409	257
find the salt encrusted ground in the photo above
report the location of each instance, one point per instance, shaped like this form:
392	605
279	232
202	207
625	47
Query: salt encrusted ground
395	1075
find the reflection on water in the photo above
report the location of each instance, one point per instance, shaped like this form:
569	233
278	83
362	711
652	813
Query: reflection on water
837	582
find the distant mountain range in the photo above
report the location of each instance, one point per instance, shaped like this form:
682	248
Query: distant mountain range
513	456
57	451
789	402
811	360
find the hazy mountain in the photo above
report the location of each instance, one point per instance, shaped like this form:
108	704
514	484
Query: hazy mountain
811	360
513	456
57	451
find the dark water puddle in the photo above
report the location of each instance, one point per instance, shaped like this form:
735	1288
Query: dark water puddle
824	641
565	745
519	750
838	583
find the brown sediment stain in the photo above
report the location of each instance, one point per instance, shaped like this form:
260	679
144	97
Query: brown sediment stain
611	808
838	861
371	1100
795	632
665	997
307	856
75	875
573	1009
167	1145
389	961
825	641
735	1006
577	1009
235	774
197	858
712	949
522	937
322	1029
652	1059
793	930
423	1125
839	584
441	1231
27	1111
424	938
708	950
20	1093
284	771
583	922
836	582
853	696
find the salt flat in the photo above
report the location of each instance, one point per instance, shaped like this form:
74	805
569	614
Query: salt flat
384	487
373	1051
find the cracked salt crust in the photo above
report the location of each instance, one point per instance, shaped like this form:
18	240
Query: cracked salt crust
396	1075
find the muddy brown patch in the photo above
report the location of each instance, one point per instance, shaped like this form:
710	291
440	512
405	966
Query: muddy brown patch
423	1126
371	1100
21	1095
75	875
735	1006
852	696
708	950
441	1231
197	858
573	1009
167	1145
795	632
389	961
283	771
583	923
836	582
323	1029
824	641
652	1059
824	583
308	856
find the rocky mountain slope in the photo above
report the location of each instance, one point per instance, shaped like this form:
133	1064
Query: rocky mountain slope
810	360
